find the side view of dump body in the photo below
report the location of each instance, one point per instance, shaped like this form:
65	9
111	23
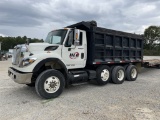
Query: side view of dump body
106	46
78	53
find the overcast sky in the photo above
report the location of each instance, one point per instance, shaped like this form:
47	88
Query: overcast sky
35	18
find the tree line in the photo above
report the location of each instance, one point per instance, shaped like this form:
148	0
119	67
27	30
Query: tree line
10	42
152	40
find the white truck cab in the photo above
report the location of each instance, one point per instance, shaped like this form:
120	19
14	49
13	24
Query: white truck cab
63	49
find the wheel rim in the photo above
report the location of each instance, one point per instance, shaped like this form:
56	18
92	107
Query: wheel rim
105	75
120	75
52	84
133	73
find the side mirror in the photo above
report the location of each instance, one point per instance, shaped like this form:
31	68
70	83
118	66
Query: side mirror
76	37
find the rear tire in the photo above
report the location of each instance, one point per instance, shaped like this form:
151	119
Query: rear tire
50	84
131	73
118	75
103	75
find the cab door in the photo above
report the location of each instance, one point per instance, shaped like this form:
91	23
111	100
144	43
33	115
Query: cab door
74	56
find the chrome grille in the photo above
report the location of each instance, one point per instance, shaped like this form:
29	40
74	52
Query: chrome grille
16	58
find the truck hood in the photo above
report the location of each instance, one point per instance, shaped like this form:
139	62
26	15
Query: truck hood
37	47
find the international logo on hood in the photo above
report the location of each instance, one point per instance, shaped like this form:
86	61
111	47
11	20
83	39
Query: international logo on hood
74	55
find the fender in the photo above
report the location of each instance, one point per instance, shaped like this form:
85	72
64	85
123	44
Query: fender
40	64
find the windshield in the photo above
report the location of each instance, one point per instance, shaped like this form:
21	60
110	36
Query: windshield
56	37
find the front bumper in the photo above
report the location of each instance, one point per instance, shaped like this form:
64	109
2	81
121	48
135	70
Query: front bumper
19	77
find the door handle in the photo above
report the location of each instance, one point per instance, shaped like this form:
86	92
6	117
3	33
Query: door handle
69	49
82	55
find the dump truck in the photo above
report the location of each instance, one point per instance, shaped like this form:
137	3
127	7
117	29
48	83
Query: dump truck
77	53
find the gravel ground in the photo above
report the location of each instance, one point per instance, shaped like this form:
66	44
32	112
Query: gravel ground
138	100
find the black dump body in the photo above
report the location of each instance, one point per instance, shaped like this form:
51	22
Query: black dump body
106	46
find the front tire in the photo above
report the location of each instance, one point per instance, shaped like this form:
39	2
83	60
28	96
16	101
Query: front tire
103	75
118	75
50	84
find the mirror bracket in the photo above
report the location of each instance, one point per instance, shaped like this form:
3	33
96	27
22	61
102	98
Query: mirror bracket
76	37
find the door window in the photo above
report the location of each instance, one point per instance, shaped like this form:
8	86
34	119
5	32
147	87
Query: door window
70	40
80	39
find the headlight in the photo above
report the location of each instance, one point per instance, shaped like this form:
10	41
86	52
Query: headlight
27	61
